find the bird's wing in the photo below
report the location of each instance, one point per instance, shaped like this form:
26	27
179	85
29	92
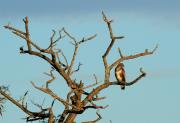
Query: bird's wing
123	75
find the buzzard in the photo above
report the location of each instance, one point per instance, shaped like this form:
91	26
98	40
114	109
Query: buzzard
120	75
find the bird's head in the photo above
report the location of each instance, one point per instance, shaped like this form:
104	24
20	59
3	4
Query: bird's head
121	64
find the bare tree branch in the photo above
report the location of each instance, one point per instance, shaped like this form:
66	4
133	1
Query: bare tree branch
39	115
52	61
113	39
143	74
94	121
71	37
106	85
120	53
76	45
73	59
77	68
87	39
2	98
26	21
16	103
14	29
92	85
52	94
145	53
52	77
64	58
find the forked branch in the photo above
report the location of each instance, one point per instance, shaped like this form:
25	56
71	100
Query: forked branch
52	77
76	46
108	68
123	58
113	39
35	115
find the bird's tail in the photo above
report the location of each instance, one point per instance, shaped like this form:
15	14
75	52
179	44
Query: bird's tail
123	87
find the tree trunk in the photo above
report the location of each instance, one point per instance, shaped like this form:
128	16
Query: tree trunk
71	117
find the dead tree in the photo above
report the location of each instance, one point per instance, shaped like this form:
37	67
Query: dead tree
78	99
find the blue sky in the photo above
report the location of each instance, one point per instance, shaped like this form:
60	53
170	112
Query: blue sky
144	23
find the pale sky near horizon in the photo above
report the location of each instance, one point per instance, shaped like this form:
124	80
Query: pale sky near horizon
144	23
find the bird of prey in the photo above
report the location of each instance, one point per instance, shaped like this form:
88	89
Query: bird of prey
120	75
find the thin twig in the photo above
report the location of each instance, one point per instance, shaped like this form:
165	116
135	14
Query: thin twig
77	68
92	85
69	35
120	53
52	77
64	57
94	121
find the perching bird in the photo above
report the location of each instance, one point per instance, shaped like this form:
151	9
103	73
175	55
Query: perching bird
120	75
